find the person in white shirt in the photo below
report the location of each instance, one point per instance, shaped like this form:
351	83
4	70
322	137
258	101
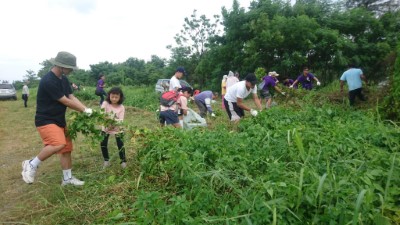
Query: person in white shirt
25	94
233	99
174	83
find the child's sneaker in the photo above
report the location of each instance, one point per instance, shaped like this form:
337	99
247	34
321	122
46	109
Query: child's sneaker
123	165
28	172
73	180
106	164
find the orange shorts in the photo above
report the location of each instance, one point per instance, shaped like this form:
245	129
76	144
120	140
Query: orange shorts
54	135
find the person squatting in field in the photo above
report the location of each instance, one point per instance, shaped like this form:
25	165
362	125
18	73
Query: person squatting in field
173	115
114	107
203	102
235	94
306	79
353	77
288	82
54	95
182	103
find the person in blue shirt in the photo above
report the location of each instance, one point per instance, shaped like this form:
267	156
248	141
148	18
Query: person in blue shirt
353	77
203	102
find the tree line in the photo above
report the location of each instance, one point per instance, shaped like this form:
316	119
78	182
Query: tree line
323	35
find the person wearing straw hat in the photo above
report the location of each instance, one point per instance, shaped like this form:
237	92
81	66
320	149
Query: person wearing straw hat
269	88
54	95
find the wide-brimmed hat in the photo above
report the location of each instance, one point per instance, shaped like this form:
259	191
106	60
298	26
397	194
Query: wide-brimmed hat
273	73
65	60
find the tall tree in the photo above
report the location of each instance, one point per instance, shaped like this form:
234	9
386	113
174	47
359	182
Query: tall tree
196	32
46	66
192	43
102	67
30	76
377	6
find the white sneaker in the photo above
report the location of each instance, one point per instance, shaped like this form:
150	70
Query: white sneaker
73	181
123	165
28	172
106	164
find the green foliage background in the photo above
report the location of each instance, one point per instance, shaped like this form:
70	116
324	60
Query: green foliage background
391	106
324	35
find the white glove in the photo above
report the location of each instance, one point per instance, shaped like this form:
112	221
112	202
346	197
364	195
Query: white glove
253	112
283	93
318	83
88	111
291	86
212	114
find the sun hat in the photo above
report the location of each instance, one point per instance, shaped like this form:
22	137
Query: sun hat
65	60
251	78
273	73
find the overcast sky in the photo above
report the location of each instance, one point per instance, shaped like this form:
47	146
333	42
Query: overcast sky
93	30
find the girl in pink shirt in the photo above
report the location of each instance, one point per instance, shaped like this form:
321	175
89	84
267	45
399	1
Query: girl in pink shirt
182	103
113	106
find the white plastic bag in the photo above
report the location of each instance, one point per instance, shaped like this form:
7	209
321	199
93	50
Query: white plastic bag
261	85
193	119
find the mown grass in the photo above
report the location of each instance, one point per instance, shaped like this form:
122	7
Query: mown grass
306	161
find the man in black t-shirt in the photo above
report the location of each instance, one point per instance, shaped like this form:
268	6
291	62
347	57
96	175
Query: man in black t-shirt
54	95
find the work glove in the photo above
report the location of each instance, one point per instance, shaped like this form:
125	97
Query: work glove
253	112
88	111
212	115
318	83
291	86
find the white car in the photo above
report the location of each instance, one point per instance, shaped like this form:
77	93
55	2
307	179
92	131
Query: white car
163	85
7	91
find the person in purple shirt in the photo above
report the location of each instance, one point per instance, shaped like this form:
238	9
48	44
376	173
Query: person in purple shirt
203	102
288	82
100	88
269	88
306	80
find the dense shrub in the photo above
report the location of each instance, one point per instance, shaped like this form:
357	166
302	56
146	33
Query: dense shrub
391	106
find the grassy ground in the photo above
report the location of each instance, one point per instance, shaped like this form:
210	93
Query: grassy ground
46	202
19	140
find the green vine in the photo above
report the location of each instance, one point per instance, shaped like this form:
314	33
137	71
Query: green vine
90	125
